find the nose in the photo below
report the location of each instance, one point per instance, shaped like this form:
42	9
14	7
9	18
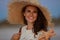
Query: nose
31	14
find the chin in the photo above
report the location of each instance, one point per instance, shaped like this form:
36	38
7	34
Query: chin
31	21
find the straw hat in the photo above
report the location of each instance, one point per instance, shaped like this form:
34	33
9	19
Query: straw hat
15	15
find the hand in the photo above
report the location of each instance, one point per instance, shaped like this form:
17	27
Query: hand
43	36
47	35
16	36
51	33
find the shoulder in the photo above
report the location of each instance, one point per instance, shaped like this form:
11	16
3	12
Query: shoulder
22	28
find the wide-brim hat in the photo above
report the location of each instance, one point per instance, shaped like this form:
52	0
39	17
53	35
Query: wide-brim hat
15	8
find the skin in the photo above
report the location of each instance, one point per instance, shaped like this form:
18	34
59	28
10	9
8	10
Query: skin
31	15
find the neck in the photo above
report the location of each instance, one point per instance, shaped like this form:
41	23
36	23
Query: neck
30	25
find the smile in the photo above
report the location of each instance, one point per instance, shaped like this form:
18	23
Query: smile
30	17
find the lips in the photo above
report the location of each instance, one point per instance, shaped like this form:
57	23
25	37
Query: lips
30	18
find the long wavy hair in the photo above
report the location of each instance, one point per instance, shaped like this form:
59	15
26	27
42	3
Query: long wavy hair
40	23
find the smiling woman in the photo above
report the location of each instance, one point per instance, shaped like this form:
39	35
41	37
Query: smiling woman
14	17
35	19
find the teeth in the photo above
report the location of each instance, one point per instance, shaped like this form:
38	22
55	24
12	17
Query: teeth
31	17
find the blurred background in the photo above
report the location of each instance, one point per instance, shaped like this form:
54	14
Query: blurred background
6	31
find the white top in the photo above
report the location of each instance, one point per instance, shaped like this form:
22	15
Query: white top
28	34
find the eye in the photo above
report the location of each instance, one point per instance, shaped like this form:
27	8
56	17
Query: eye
28	11
35	11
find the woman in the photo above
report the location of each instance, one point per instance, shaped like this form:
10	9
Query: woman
35	25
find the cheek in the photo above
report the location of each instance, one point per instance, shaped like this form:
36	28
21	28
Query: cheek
26	16
35	16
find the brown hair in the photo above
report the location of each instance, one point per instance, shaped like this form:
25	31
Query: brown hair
40	23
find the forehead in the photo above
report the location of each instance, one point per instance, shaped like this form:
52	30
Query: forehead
31	7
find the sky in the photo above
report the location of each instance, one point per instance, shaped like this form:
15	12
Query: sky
52	5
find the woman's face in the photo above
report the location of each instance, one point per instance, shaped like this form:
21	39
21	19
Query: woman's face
30	14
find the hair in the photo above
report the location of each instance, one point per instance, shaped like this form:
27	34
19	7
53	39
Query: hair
40	23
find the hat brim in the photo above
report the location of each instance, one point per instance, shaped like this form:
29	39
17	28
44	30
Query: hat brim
15	15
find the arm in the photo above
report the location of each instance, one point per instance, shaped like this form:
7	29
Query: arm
46	35
43	36
16	36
